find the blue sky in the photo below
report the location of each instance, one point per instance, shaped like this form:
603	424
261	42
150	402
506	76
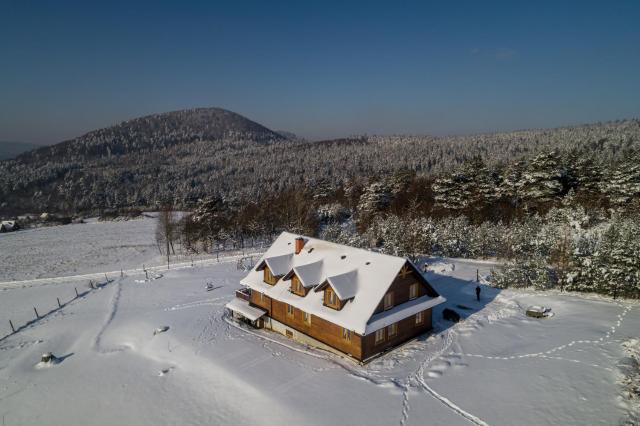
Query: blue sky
319	69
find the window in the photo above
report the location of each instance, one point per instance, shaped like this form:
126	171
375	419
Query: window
379	336
268	276
392	330
388	300
296	286
261	297
413	291
307	317
331	299
419	318
290	310
346	334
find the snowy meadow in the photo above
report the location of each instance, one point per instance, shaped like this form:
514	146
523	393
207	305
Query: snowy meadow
495	367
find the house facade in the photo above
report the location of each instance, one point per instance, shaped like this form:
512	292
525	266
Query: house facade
353	301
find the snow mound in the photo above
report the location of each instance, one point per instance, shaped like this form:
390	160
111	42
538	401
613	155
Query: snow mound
150	277
160	329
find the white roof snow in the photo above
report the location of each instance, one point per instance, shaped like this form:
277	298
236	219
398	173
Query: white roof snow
310	274
345	285
242	307
362	276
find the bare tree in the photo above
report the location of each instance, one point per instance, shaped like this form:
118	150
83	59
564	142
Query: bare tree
166	230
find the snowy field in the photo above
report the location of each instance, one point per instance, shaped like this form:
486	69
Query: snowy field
77	248
496	367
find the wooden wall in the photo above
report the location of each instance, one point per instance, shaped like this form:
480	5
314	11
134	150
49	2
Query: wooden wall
407	329
400	288
324	331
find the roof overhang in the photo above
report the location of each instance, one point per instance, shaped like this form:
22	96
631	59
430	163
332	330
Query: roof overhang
243	308
402	311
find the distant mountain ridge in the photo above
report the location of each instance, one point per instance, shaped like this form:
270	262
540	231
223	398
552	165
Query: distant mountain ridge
182	156
154	132
10	150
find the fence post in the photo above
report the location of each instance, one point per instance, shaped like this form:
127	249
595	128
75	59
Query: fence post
106	279
36	311
91	284
77	295
13	329
59	305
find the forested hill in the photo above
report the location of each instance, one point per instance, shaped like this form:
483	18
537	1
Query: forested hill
154	132
182	156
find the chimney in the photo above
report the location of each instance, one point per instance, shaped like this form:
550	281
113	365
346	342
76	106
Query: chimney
299	244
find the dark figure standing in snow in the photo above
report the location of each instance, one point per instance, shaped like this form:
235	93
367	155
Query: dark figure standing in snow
478	292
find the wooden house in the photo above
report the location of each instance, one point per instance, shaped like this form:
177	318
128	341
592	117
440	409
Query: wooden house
340	298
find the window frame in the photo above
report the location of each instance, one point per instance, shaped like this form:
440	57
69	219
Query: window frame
268	277
380	332
412	287
392	330
346	334
384	301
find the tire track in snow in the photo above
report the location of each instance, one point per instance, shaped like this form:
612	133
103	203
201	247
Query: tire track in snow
195	304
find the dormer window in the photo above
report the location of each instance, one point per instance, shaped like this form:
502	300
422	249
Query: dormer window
331	298
297	287
269	278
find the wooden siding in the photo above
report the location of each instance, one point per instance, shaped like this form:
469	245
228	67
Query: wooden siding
264	302
295	284
407	329
322	330
269	278
401	288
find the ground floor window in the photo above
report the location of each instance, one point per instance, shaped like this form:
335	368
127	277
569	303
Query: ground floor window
346	334
290	310
419	318
392	330
380	336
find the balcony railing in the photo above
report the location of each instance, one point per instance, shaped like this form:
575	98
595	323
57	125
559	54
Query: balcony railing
244	294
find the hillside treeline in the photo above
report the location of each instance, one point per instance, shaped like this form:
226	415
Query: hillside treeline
181	159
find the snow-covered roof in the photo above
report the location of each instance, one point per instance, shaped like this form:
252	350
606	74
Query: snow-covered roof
360	276
242	307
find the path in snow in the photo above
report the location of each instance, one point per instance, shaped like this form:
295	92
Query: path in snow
546	354
113	309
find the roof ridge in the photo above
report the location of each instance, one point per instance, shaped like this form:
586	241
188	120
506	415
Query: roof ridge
369	251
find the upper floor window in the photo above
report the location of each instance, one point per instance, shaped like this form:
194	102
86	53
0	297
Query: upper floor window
413	291
307	317
388	300
331	298
290	310
269	278
296	286
419	318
